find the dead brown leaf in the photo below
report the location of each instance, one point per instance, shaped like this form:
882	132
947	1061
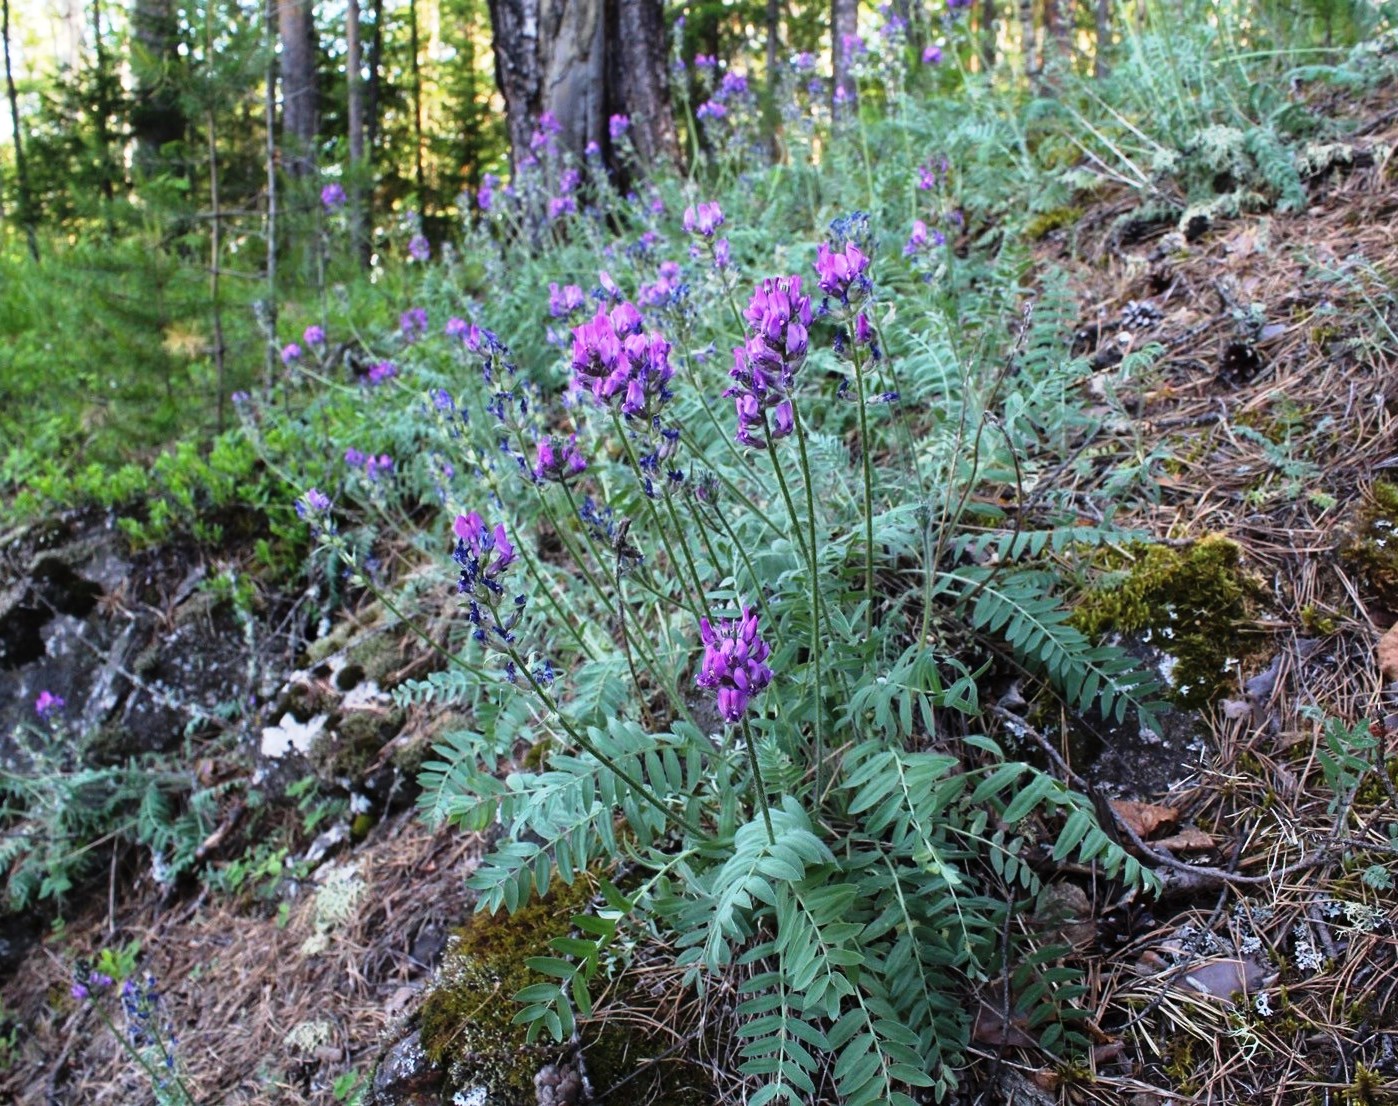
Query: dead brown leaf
1388	653
1188	840
1145	818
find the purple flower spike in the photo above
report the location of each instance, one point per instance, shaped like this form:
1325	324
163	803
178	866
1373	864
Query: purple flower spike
314	336
564	300
383	370
765	367
332	197
419	249
413	323
843	274
291	353
703	219
618	125
456	327
932	55
734	663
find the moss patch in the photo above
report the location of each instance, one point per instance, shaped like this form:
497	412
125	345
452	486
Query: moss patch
1370	547
1193	604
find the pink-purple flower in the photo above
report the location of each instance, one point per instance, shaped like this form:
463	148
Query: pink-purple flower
47	704
617	126
291	353
332	196
735	663
413	323
314	335
703	219
419	249
557	461
843	274
382	371
765	366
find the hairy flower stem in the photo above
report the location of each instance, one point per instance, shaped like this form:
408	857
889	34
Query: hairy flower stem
652	662
758	784
813	571
641	790
866	463
156	1081
690	602
815	606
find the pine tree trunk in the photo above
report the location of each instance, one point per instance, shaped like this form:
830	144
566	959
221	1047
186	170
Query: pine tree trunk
988	17
102	108
26	199
371	106
1058	25
360	216
269	321
580	61
414	69
844	26
1103	15
1026	34
156	115
296	23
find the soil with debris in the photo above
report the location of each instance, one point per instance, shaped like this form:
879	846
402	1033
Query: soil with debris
1267	971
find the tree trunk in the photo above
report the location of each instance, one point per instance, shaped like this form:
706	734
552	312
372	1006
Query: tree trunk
1058	27
371	106
419	176
156	115
988	16
581	61
297	26
770	111
26	198
269	321
844	27
360	217
1103	15
102	108
1026	34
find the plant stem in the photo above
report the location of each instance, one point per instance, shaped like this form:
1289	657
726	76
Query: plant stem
757	782
867	465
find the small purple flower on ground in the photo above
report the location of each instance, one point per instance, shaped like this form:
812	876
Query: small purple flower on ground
705	61
48	704
711	109
932	55
314	335
617	126
332	197
734	663
313	503
733	84
853	45
703	219
381	371
456	327
804	62
721	254
483	555
291	353
354	457
419	249
560	206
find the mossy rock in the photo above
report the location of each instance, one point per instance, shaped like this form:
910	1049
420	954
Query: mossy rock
467	1019
1047	222
1370	546
467	1027
1193	603
351	744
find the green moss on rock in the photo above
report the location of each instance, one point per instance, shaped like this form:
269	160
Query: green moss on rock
1370	548
1193	604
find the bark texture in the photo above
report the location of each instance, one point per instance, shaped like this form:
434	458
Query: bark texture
583	61
156	116
844	26
297	30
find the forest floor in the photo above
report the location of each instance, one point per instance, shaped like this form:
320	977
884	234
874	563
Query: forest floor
1271	421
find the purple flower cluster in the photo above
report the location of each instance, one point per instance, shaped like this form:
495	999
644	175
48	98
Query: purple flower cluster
313	504
85	981
920	237
413	323
765	366
47	704
614	360
314	335
733	84
557	461
545	132
703	219
617	126
485	194
291	353
483	556
667	289
373	467
381	371
711	109
735	663
419	249
564	300
560	206
932	172
932	55
332	197
705	61
843	274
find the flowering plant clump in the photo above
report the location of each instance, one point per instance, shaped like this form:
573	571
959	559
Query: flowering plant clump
735	663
